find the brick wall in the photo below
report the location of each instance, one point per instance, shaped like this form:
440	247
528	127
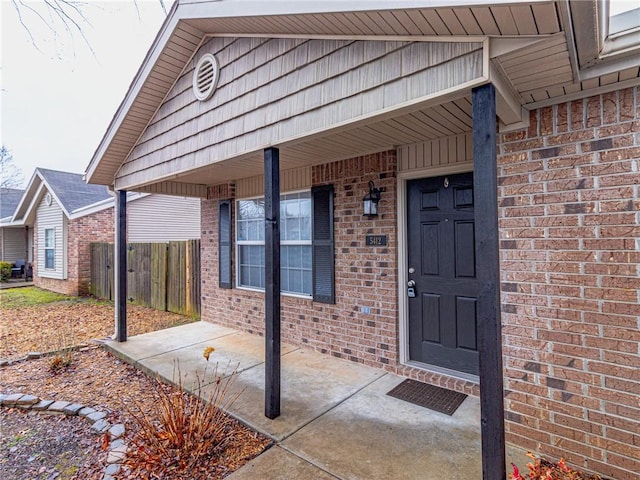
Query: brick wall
97	227
569	192
365	276
569	226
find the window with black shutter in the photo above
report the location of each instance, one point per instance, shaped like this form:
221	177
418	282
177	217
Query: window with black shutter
224	244
306	244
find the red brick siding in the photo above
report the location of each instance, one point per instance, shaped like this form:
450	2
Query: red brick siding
570	254
365	277
97	227
569	228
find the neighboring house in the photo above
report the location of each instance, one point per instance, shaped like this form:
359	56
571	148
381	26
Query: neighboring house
67	215
399	96
13	238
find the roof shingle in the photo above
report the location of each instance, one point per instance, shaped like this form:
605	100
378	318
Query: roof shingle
72	190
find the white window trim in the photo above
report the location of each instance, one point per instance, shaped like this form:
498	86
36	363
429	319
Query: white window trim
53	248
238	243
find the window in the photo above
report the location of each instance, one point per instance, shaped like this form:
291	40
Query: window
623	15
295	240
620	27
49	248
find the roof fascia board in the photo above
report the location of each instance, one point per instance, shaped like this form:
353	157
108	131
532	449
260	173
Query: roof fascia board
4	223
32	202
27	195
584	94
8	222
393	38
164	34
93	208
104	205
191	9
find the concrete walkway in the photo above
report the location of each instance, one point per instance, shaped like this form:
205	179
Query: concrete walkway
15	283
336	419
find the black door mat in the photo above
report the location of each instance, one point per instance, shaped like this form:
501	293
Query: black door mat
429	396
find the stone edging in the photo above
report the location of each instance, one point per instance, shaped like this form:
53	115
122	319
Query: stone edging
83	347
117	446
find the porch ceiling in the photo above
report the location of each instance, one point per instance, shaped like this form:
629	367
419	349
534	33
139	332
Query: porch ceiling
437	121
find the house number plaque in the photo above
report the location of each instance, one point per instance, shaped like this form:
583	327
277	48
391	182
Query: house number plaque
376	240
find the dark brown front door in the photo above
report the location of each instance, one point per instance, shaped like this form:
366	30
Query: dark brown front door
441	255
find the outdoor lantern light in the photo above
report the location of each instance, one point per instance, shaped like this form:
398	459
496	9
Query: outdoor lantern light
370	201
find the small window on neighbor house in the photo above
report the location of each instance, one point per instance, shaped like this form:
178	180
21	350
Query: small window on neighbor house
49	248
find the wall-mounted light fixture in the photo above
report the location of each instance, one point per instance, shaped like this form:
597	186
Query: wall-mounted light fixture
370	201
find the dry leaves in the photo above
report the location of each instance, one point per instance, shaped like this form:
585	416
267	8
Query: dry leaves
55	325
97	379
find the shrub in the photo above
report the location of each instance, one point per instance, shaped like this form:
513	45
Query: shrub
186	427
64	344
541	469
5	271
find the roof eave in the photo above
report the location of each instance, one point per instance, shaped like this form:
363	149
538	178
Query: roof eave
165	32
193	9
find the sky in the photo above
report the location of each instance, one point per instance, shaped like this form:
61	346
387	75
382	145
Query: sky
57	96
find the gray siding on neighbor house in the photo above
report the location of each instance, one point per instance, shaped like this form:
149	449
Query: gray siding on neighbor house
52	216
163	218
14	244
274	90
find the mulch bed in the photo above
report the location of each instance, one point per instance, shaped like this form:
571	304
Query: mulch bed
56	325
39	446
97	378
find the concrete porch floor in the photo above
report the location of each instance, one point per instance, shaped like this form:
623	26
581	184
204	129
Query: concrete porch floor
336	419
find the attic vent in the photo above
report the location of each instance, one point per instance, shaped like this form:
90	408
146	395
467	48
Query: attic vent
205	77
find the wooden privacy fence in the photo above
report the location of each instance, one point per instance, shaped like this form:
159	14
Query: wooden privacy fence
164	276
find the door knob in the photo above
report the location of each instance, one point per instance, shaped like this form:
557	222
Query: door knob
411	283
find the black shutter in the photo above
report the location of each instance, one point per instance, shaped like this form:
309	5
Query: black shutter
323	257
224	244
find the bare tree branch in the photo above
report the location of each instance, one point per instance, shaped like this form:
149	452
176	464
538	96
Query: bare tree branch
67	16
10	174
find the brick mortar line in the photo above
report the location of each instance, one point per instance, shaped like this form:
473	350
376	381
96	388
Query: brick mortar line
117	446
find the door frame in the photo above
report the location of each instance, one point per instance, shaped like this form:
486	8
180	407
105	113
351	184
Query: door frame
403	299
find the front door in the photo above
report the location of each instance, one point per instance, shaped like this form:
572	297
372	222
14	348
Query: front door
441	284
